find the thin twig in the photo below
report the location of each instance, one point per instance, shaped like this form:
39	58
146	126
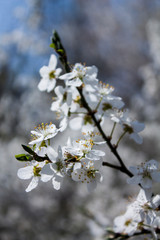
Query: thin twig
57	45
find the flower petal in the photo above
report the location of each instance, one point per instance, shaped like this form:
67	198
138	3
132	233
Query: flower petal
52	62
146	182
134	180
46	173
76	123
25	173
33	184
42	86
44	71
56	181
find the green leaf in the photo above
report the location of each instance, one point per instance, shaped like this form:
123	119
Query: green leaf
53	45
24	157
60	50
28	149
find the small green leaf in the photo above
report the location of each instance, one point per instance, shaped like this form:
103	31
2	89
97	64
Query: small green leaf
28	149
53	45
60	50
24	157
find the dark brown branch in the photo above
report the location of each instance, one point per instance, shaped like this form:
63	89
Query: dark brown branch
107	164
119	236
107	139
57	45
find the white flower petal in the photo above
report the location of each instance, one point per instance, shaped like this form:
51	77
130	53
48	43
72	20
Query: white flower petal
40	139
55	105
76	123
78	175
58	71
41	151
156	176
77	165
99	177
67	76
25	173
156	201
76	82
92	71
33	184
56	181
63	124
136	138
52	154
52	62
98	153
46	178
59	91
134	180
152	164
44	71
42	86
134	170
138	127
46	173
87	129
51	84
146	182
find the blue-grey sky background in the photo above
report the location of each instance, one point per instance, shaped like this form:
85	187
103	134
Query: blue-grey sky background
120	37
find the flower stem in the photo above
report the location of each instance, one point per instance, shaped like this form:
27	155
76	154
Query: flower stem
78	113
120	139
114	125
98	104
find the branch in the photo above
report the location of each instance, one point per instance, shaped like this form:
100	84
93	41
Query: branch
107	164
57	45
119	236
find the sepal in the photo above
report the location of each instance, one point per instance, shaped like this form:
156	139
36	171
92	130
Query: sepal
24	157
28	149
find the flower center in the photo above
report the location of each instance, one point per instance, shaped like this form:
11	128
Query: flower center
52	75
146	174
91	173
128	222
59	165
128	129
36	171
106	106
64	97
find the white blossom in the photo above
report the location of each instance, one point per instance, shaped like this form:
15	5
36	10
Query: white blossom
55	170
127	223
84	148
140	214
145	174
80	74
33	172
49	75
43	132
88	173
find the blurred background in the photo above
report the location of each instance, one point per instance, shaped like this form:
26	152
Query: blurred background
120	37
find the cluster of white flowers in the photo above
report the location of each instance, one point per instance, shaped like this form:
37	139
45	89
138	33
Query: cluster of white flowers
78	160
143	212
82	102
99	96
140	214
